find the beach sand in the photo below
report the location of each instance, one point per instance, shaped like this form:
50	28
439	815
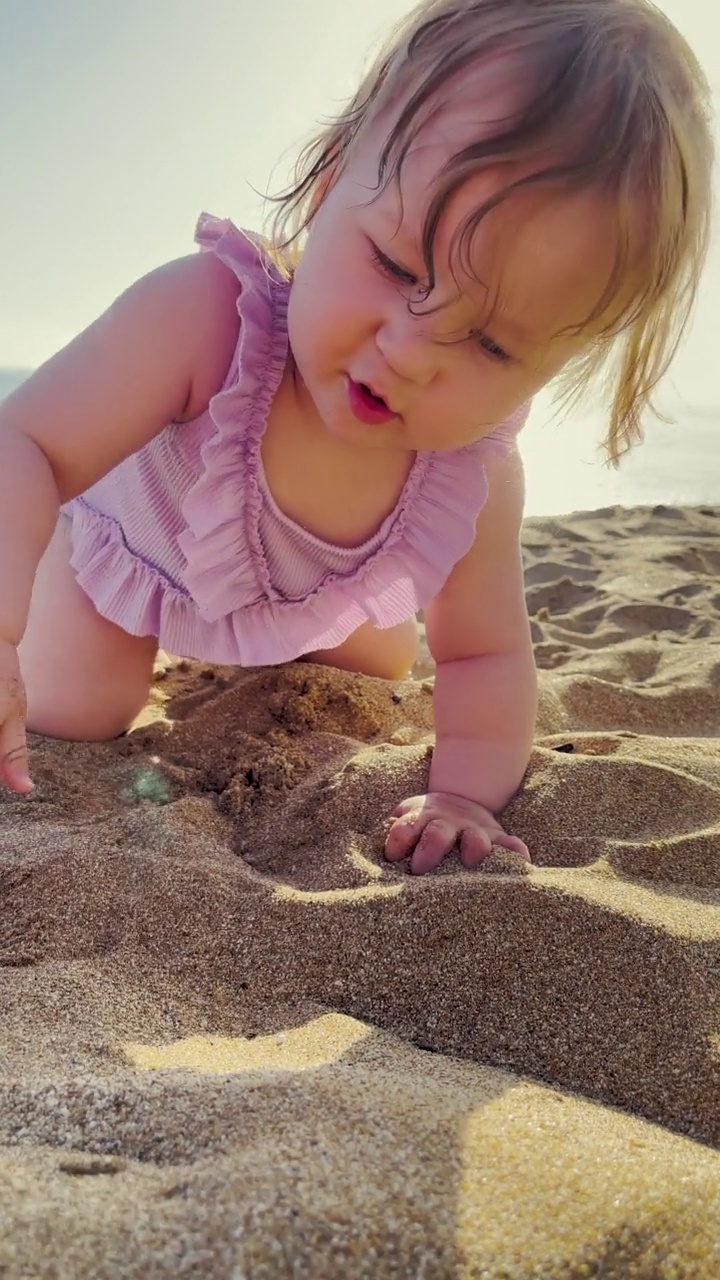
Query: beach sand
236	1043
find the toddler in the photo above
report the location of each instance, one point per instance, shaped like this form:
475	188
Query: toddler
285	447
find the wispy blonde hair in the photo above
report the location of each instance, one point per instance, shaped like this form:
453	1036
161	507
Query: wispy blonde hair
611	97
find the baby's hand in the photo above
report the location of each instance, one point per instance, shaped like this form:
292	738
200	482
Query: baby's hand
433	824
14	770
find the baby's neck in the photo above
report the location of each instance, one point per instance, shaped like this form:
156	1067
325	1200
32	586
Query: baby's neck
336	490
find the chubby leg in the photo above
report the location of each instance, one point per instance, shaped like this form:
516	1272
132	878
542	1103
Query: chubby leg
85	677
389	654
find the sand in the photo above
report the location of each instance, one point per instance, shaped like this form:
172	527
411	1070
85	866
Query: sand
236	1043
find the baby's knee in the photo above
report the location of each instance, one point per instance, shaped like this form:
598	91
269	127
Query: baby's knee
397	650
89	716
388	654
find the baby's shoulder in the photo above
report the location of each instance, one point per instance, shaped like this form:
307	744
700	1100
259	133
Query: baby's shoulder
210	303
243	300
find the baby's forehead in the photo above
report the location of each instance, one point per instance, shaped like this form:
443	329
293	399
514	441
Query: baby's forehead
433	145
498	202
466	229
479	104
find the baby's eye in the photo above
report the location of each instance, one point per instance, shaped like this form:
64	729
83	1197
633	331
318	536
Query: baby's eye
390	268
492	348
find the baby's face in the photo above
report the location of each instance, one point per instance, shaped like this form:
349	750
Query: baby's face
538	266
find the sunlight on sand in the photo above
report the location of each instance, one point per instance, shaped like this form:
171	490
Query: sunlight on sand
361	893
316	1044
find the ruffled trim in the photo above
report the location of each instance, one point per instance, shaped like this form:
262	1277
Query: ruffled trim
434	529
123	588
221	544
391	586
135	596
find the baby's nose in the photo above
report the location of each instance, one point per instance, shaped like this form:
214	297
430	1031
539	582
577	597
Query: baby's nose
409	353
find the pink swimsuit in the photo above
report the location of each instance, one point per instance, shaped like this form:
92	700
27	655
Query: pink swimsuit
183	540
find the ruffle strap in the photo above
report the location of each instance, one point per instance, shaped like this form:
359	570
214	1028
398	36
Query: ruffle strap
220	541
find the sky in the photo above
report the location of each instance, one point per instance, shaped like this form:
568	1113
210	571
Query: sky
120	122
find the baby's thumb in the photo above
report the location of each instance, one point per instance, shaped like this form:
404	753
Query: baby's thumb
14	764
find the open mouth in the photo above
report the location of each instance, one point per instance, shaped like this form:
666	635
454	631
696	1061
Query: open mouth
366	406
378	400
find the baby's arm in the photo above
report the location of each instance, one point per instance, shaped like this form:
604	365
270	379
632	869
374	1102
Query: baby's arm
485	690
158	354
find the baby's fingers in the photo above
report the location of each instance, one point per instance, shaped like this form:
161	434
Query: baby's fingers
476	845
437	839
403	835
14	766
514	843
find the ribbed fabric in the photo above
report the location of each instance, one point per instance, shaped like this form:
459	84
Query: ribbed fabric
183	540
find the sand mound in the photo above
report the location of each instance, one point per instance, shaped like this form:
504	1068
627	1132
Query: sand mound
237	1043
